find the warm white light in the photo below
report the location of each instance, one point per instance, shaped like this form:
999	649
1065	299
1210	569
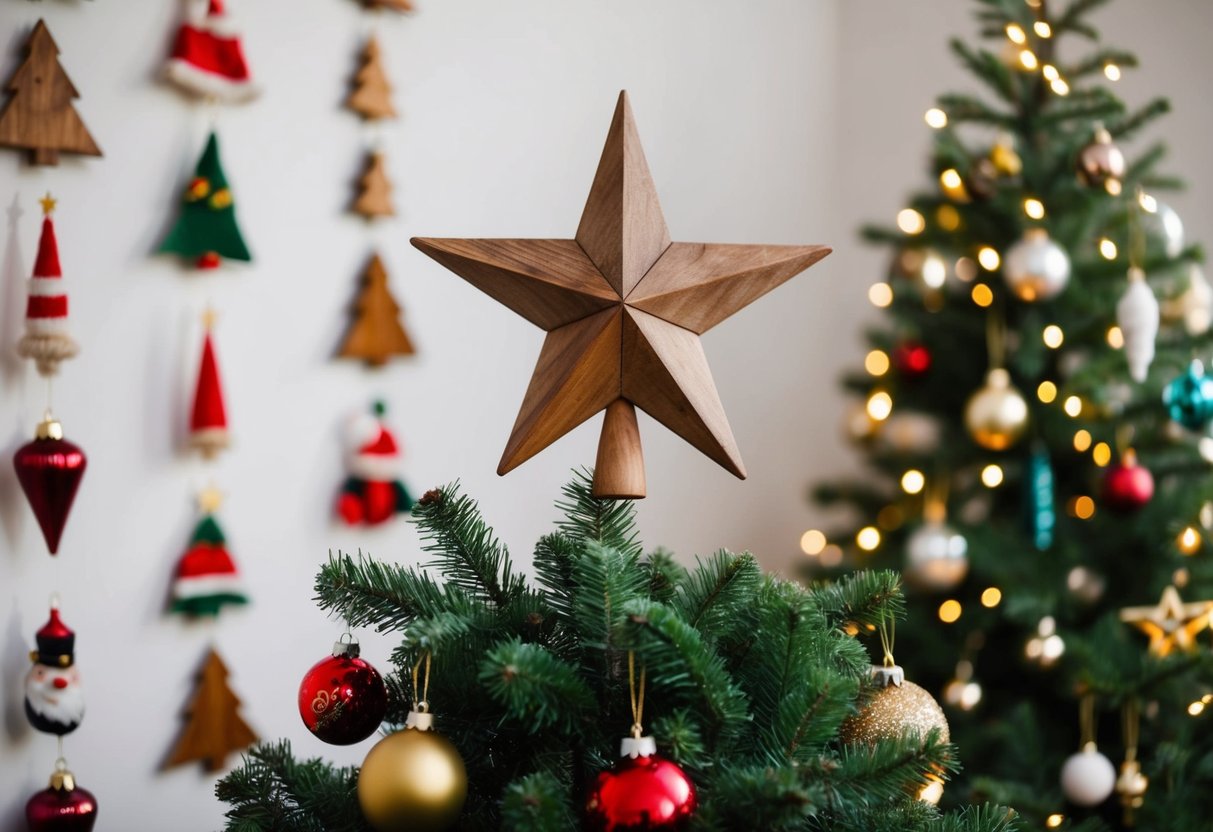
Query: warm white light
1050	72
910	221
991	476
982	295
1043	29
1112	71
931	793
812	542
1073	406
1016	33
880	405
1116	337
1047	391
1148	203
1028	58
912	481
950	178
1082	441
1034	208
1060	87
949	611
876	362
934	271
936	118
880	294
1102	454
1107	248
988	258
991	597
1055	820
1053	336
868	538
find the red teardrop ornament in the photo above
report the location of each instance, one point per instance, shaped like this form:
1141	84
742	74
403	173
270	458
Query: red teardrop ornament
642	793
61	809
49	470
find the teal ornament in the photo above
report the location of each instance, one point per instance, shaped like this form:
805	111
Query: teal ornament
1189	398
1042	513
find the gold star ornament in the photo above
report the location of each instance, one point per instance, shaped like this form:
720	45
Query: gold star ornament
623	308
1171	624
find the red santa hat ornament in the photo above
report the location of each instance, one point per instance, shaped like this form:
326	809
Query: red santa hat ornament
46	338
208	417
373	493
208	58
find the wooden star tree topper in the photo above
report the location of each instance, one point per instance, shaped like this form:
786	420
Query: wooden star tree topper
623	308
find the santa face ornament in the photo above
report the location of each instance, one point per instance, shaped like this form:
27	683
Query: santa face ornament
373	493
54	698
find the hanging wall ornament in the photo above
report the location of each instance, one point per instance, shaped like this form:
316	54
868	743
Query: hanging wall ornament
374	197
936	554
373	492
50	469
63	806
1195	303
1040	503
54	698
343	699
1101	164
1137	315
1087	777
624	309
208	416
997	414
46	339
1036	268
206	580
1127	486
1189	398
393	5
214	728
208	59
371	97
206	231
413	780
644	791
376	335
39	116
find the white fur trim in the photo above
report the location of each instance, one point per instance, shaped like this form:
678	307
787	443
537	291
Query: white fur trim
221	25
185	589
48	327
359	430
375	468
203	83
47	287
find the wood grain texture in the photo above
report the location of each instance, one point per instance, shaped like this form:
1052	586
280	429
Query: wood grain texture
549	282
577	375
214	728
619	469
622	228
392	5
39	116
374	198
371	96
698	285
375	334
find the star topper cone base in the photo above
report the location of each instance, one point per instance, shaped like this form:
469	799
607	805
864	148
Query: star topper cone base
623	307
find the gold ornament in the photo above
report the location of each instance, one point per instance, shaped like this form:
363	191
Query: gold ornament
898	706
413	780
1131	785
1171	624
997	414
1006	160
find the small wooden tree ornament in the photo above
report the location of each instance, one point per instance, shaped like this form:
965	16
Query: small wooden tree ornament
374	197
393	5
39	116
214	728
623	308
376	334
371	97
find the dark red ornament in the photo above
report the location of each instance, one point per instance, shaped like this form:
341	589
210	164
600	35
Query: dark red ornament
62	807
49	470
342	699
643	792
1127	486
911	359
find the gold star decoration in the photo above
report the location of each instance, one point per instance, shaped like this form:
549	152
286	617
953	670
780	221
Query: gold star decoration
48	203
210	499
623	308
1171	624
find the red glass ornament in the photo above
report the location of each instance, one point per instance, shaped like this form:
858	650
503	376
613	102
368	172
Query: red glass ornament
1127	486
911	359
63	807
342	699
641	793
49	470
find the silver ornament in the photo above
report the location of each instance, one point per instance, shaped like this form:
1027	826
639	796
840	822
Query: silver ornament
1163	225
936	557
1101	162
1036	268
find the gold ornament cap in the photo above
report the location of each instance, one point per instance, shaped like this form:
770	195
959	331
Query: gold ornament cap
420	720
634	747
998	378
49	428
62	780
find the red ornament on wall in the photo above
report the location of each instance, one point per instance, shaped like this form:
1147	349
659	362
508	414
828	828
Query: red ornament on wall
343	699
49	470
1127	486
62	807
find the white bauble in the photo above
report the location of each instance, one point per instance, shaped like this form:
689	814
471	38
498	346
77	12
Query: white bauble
1036	268
1137	315
1196	302
936	557
1088	777
1164	225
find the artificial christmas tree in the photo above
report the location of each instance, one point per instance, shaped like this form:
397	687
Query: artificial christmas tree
376	334
744	679
206	232
214	728
1032	275
39	117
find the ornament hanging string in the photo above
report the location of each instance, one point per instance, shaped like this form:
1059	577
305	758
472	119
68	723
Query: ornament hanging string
888	634
1131	717
422	703
1086	721
935	500
636	696
996	341
1137	232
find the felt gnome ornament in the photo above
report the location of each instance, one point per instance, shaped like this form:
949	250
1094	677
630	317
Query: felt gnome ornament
208	418
208	59
54	699
373	492
46	338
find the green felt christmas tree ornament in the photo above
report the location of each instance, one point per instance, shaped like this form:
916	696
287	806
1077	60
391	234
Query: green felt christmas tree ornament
206	231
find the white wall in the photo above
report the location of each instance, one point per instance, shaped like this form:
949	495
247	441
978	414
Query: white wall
505	107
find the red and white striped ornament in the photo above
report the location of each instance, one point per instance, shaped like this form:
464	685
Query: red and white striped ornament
46	338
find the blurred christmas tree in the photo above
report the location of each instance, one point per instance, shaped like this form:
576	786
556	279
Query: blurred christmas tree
1037	438
750	681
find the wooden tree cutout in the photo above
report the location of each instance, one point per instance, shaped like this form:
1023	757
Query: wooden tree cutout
623	308
394	5
375	335
214	728
39	117
374	190
371	97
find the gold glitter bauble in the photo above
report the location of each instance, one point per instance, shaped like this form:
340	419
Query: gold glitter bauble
892	712
997	414
412	781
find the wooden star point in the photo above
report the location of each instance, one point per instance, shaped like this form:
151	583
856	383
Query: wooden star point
209	500
1171	624
623	307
